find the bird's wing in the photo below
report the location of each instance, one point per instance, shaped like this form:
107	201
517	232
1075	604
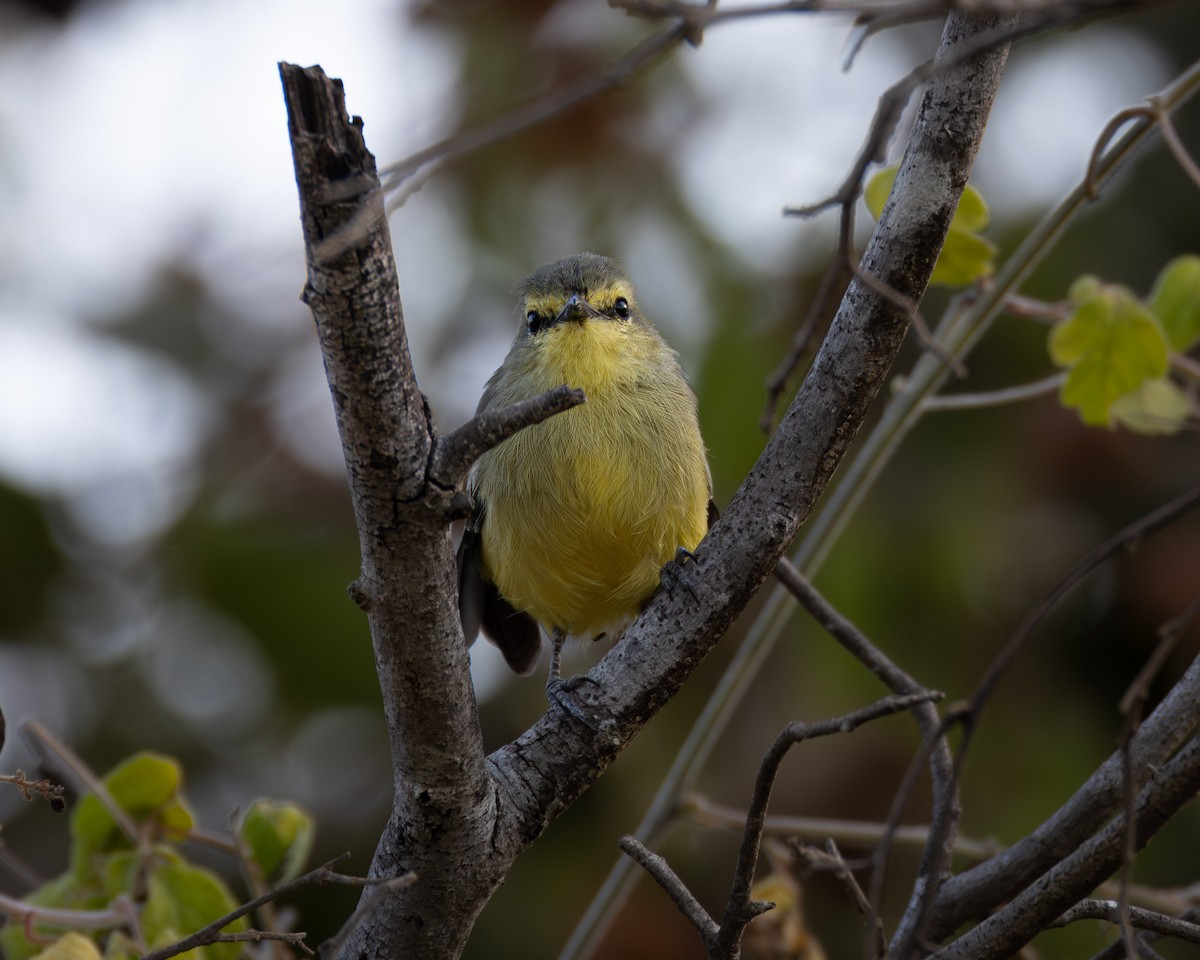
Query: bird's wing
480	605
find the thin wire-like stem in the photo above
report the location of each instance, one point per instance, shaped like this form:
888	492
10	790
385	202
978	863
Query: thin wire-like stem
994	398
852	833
48	745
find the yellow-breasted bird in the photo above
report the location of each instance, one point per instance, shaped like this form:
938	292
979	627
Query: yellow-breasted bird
576	516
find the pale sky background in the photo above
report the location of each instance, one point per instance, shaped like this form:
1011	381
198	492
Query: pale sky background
116	141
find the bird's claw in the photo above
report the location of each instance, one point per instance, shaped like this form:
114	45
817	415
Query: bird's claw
560	691
679	572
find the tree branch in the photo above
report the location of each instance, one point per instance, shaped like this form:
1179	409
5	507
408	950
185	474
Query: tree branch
1070	879
976	892
665	877
936	748
455	822
406	584
1144	919
453	455
740	909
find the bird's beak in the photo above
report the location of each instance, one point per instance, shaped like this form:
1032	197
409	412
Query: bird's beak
576	309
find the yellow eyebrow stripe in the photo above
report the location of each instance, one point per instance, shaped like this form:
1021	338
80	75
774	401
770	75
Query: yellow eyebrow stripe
603	297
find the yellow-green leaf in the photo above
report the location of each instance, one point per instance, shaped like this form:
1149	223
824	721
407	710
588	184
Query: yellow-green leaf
70	946
1175	300
180	899
144	781
1155	408
120	947
278	837
972	214
147	787
1111	344
965	257
875	193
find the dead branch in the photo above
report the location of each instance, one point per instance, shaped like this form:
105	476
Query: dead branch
740	908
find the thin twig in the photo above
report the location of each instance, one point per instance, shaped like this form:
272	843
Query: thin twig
384	888
919	327
205	934
1124	539
1175	145
31	913
660	870
1051	311
536	111
1170	633
47	745
279	937
255	882
740	909
854	833
831	859
1186	365
1116	950
45	788
1109	910
820	312
1157	112
1131	706
216	841
935	749
665	877
994	398
453	454
1100	148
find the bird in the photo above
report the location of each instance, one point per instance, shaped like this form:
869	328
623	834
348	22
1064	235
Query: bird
576	517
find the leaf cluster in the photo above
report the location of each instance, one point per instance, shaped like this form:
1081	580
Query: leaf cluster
1117	349
126	858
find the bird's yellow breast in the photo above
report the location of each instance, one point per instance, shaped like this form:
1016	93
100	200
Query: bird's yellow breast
582	511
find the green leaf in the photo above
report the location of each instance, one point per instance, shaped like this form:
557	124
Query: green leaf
118	872
972	214
875	193
146	786
1175	300
70	946
120	947
143	782
965	257
277	836
1111	344
180	899
1156	408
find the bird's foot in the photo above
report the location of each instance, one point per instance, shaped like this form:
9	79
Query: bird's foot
680	572
561	693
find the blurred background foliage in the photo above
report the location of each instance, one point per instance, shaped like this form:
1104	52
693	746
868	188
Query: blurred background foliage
194	603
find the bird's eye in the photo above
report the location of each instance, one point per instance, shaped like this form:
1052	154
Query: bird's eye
534	319
621	308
